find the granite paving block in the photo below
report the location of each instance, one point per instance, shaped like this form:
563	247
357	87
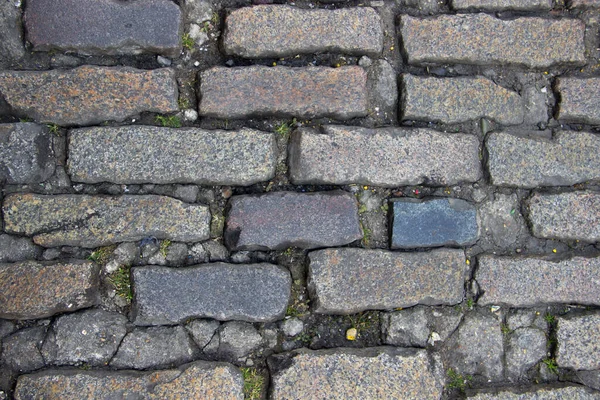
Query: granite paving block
11	34
482	39
31	290
247	292
94	221
349	280
566	159
570	216
454	100
526	347
528	281
546	392
89	95
145	154
276	221
90	336
154	347
579	100
387	157
433	223
369	373
104	26
26	153
476	348
502	5
16	248
273	30
259	91
578	342
21	350
584	4
198	380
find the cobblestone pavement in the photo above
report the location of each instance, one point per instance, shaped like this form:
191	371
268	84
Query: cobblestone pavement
379	199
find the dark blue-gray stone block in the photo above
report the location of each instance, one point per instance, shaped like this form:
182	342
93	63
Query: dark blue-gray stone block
431	223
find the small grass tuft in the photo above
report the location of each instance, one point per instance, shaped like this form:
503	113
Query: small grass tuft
549	318
102	254
551	365
187	41
470	303
183	103
457	381
171	121
121	280
164	247
285	128
253	383
366	240
54	129
505	329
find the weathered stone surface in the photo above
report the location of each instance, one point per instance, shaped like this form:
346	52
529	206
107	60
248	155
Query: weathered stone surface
105	26
259	91
346	281
202	331
574	216
482	39
145	154
578	342
237	339
90	336
526	282
433	223
15	248
501	221
502	5
453	100
21	350
276	221
382	84
199	380
292	327
579	100
30	290
567	159
11	37
584	4
254	293
590	378
476	347
280	30
93	221
26	154
385	372
406	328
538	392
526	347
154	347
89	95
386	157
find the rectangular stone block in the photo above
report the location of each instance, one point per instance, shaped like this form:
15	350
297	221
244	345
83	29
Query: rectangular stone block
433	223
279	30
454	100
276	221
198	380
567	216
350	280
546	392
145	154
566	159
93	221
578	342
253	292
385	373
31	290
482	39
26	153
528	282
11	34
579	100
502	5
104	26
259	91
386	157
89	95
584	4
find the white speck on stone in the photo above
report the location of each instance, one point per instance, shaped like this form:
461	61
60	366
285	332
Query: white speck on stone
494	308
190	115
292	326
544	90
200	37
84	332
164	61
434	337
197	63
